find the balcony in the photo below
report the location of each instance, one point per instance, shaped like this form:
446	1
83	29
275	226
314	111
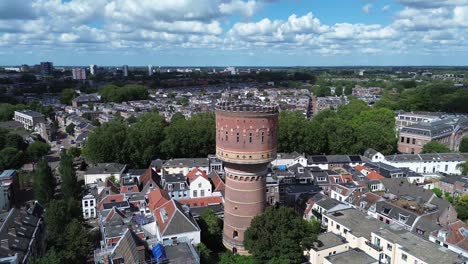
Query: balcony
375	247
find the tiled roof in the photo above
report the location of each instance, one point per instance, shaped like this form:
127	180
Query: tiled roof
202	201
217	182
195	173
157	197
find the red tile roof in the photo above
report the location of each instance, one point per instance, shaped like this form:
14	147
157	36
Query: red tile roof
164	213
455	237
111	198
195	173
374	176
157	197
217	183
202	201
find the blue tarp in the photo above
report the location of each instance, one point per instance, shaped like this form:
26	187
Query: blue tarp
282	167
159	252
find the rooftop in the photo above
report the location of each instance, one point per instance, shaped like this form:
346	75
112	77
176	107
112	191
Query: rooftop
327	240
351	256
358	223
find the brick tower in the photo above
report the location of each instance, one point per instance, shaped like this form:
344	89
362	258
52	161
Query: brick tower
246	142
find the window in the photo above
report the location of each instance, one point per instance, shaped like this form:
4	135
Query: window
182	186
199	185
169	187
250	137
86	203
402	139
226	136
91	203
338	227
237	137
389	247
414	141
446	167
263	136
194	193
403	218
235	234
202	193
404	256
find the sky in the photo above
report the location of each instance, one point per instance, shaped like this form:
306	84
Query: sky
234	32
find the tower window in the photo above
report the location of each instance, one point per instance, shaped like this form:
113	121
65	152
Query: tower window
250	137
238	138
235	234
226	136
263	136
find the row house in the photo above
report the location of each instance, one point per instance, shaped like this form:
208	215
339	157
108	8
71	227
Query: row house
455	185
428	163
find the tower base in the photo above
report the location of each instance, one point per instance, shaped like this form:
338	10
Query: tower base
235	247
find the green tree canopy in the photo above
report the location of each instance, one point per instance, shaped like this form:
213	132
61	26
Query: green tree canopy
37	150
44	183
70	186
464	145
74	152
278	233
11	158
463	167
70	129
113	93
435	147
291	134
67	96
462	207
106	143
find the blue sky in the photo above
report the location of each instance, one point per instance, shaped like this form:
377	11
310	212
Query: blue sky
234	32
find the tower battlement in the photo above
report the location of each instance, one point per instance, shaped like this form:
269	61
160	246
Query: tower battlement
253	108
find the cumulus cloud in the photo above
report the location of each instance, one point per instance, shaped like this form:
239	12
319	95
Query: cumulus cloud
367	8
385	8
237	6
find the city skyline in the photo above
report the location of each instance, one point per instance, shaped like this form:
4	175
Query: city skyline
235	32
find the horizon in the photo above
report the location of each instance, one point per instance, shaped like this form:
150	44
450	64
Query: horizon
238	33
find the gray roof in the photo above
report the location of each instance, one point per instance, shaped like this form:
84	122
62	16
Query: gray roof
328	203
181	221
128	249
31	113
419	247
359	223
106	168
351	256
192	162
401	187
370	152
392	211
292	155
427	157
327	240
180	253
453	179
84	98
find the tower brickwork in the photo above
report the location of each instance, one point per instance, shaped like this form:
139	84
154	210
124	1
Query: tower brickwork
246	140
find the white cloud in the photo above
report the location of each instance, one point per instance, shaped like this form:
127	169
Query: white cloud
367	8
237	6
385	8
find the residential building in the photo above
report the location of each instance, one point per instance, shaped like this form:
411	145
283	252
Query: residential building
327	244
47	68
88	203
176	186
184	166
29	118
199	183
93	69
22	234
46	131
429	163
125	70
448	131
102	171
150	70
454	237
9	189
79	74
404	119
85	99
455	185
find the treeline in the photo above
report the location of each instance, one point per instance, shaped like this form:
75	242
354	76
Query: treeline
152	137
114	93
7	110
431	97
350	130
14	151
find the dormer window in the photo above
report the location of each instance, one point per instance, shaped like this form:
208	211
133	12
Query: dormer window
386	210
403	218
300	170
182	186
169	187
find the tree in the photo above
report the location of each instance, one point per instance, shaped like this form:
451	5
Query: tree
437	192
212	229
229	258
67	96
113	93
56	217
435	147
78	243
74	152
15	141
106	143
278	233
52	257
464	145
70	129
10	158
70	187
463	167
291	131
44	183
462	207
37	150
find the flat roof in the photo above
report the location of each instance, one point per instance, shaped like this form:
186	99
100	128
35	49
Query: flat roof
351	256
327	240
418	247
358	223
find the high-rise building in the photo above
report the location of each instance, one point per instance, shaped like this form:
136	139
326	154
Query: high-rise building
125	70
47	68
79	73
93	69
150	70
246	140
